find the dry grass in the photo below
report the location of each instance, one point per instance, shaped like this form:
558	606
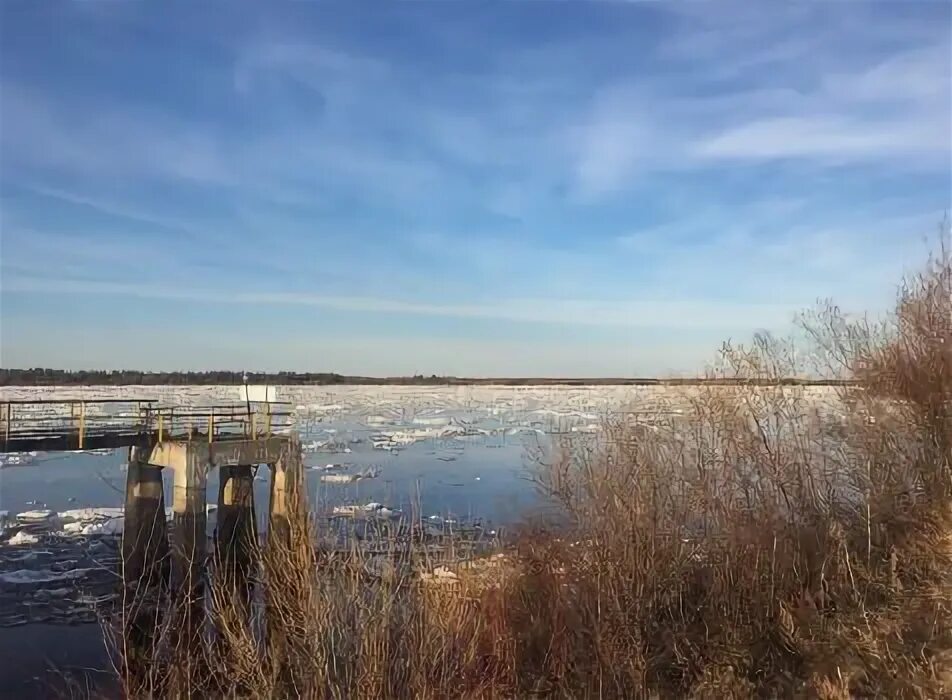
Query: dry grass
756	545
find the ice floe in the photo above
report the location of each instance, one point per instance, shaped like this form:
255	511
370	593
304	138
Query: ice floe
34	576
23	537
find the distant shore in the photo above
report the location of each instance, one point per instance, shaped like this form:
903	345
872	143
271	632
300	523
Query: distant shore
55	377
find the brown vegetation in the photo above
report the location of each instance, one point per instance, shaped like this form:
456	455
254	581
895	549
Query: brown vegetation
758	544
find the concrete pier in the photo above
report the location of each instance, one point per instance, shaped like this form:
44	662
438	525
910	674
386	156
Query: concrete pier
148	558
145	545
189	471
236	535
145	559
164	582
287	485
190	461
188	529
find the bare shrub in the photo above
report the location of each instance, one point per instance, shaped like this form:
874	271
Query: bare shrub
761	539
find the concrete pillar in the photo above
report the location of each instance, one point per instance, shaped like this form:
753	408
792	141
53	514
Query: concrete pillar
188	506
286	509
145	544
236	536
145	561
287	491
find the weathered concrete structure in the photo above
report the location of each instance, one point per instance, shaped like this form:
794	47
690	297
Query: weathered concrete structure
163	581
190	461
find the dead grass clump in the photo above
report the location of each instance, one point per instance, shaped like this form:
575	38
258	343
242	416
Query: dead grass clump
767	541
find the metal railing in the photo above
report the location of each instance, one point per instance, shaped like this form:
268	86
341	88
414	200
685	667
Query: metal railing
78	424
216	422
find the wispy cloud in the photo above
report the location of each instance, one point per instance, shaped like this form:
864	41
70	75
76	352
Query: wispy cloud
799	97
92	138
658	313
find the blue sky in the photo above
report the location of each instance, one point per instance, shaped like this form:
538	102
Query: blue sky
448	187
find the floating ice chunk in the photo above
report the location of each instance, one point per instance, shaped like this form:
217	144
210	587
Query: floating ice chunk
389	513
432	420
23	558
440	575
89	514
370	473
326	467
339	478
35	516
14	459
113	526
27	576
372	509
48	593
23	537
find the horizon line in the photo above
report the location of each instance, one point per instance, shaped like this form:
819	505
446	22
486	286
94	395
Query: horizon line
162	378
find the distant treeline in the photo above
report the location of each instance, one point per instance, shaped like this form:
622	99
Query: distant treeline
39	376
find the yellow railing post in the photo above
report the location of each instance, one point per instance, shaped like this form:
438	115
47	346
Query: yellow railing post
211	425
82	424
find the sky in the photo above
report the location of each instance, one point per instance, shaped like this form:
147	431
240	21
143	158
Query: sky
487	189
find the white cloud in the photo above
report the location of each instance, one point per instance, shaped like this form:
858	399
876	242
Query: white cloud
96	139
835	138
898	107
915	76
655	313
750	86
782	252
611	149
